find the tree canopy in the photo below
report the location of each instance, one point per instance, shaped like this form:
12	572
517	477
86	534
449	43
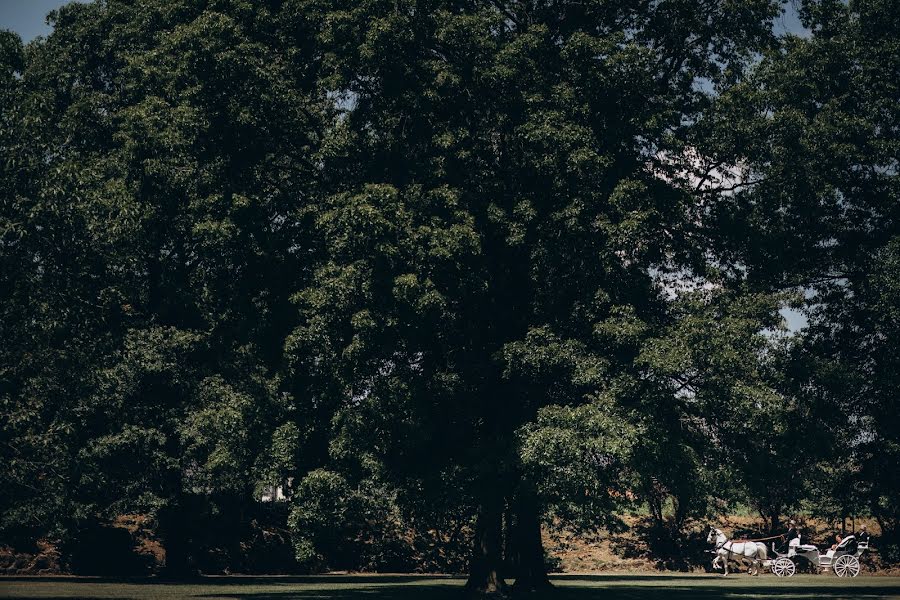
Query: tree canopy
456	268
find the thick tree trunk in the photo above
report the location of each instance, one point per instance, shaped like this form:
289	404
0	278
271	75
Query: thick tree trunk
234	509
173	531
487	555
527	546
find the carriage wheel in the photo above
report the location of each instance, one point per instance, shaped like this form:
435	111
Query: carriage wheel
846	566
784	567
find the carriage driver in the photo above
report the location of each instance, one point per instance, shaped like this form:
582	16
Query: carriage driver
792	533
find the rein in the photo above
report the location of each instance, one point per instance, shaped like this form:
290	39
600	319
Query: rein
765	539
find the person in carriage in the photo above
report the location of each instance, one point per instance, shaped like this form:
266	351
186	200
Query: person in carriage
848	545
862	536
792	532
852	542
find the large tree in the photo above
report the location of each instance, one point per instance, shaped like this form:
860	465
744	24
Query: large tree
506	184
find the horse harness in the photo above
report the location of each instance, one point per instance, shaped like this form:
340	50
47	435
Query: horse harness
731	551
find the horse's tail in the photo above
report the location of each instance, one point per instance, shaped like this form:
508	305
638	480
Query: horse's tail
763	552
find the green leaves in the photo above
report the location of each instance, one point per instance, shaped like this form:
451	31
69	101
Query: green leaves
336	525
404	250
12	57
579	455
817	126
364	224
158	212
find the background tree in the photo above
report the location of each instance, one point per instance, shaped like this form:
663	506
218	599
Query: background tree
817	125
171	149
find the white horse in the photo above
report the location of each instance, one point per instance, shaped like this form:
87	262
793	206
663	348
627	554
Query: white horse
754	552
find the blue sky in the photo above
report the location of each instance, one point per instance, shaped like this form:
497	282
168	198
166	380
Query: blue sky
28	19
788	22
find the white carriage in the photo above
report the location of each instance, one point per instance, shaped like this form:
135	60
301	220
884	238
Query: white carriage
843	559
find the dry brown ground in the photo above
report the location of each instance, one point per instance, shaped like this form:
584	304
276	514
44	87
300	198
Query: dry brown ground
575	554
137	526
580	555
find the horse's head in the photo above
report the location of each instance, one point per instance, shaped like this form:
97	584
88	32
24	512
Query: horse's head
713	534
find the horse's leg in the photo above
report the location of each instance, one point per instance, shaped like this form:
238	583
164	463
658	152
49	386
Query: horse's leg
725	562
746	560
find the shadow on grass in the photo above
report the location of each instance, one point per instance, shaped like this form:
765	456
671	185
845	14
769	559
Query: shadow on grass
413	587
597	587
235	580
596	593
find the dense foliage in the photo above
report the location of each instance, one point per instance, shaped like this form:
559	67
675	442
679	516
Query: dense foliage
446	271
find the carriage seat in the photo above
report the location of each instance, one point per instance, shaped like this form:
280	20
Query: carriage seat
807	547
849	544
795	546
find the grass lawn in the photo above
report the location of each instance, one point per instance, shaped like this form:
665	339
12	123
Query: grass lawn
409	587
